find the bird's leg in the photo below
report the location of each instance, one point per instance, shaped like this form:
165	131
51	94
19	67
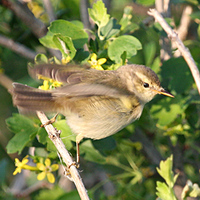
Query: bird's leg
51	121
79	137
77	152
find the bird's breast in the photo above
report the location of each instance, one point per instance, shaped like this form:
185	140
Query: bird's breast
99	116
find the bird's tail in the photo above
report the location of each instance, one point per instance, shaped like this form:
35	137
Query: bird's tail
30	99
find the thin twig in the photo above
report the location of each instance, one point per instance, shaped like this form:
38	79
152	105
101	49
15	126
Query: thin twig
28	191
163	7
17	47
21	10
5	81
148	147
84	5
49	9
182	30
184	51
54	136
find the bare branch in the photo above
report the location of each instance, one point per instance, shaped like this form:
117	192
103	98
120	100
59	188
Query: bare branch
5	81
21	10
163	6
17	47
28	191
54	136
184	51
182	30
150	151
84	5
49	10
185	22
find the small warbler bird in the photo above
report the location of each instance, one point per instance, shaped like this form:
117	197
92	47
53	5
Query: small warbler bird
96	103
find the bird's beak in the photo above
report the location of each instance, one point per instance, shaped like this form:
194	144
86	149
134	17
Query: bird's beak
164	92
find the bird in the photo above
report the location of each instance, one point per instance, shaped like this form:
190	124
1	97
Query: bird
96	103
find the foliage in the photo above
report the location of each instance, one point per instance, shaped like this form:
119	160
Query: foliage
166	123
165	190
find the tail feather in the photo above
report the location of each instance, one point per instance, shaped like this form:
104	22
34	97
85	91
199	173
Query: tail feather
28	98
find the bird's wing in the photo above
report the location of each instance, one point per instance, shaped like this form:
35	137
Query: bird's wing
86	90
81	81
70	74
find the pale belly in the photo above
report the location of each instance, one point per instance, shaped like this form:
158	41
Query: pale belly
100	119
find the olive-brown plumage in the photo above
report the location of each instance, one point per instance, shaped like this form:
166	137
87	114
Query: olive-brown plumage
96	103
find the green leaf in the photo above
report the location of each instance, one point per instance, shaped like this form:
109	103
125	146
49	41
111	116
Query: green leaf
81	56
146	2
47	40
195	15
78	23
149	53
91	153
166	110
66	134
70	195
41	59
123	43
66	28
50	194
176	75
126	19
98	14
163	192
41	152
166	171
25	131
42	136
18	122
110	29
65	45
105	144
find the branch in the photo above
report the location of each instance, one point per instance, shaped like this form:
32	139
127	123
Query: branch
84	5
21	11
37	27
17	47
49	9
54	136
184	51
185	22
182	30
28	191
151	152
5	81
163	6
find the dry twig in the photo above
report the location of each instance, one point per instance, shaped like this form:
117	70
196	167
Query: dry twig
21	11
49	9
54	136
182	30
163	7
184	51
17	47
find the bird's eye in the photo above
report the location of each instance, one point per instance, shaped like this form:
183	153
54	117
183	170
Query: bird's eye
146	85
